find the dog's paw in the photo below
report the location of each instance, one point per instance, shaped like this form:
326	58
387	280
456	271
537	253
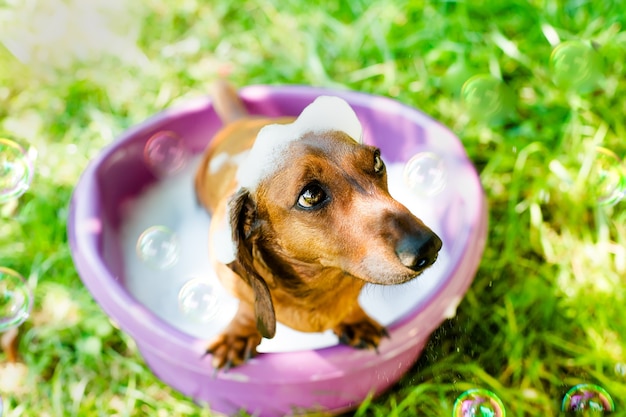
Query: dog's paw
364	334
233	349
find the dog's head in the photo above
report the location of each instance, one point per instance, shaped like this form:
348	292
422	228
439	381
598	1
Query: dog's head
311	197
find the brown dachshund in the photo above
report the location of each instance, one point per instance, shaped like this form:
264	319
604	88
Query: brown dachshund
301	220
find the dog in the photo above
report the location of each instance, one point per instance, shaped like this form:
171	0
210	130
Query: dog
301	220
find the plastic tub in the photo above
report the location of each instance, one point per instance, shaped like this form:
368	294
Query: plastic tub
334	378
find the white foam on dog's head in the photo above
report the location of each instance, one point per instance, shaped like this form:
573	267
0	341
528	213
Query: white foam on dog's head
268	154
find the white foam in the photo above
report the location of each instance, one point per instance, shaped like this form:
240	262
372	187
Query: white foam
267	155
172	203
222	243
221	160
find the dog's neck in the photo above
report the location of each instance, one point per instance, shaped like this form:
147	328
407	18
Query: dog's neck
298	278
307	296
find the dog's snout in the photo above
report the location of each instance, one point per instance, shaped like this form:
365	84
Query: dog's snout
418	251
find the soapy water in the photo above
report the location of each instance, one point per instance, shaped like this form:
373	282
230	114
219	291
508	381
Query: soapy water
157	246
165	153
425	174
588	400
15	299
575	65
478	403
171	203
198	300
16	170
487	98
607	178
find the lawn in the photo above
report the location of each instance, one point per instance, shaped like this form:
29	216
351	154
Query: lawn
547	309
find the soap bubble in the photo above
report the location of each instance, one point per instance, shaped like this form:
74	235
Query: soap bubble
16	299
165	153
620	369
455	76
575	65
425	174
158	247
488	98
16	171
198	300
478	403
589	399
607	178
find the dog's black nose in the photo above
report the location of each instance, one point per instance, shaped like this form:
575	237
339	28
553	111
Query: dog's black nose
418	251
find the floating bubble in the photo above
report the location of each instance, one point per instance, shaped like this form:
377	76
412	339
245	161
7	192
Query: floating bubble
158	247
575	65
488	98
165	153
198	300
588	399
455	76
1	407
478	403
16	171
425	174
620	369
15	299
607	178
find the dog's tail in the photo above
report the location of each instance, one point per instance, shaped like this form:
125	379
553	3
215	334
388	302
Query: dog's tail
227	103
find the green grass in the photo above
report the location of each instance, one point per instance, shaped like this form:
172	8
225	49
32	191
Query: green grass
547	308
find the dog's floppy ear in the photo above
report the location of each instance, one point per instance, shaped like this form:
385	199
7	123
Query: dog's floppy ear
245	230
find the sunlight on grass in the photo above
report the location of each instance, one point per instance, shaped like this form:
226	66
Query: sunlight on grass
547	308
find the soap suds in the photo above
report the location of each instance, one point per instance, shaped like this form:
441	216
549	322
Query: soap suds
222	242
267	155
223	159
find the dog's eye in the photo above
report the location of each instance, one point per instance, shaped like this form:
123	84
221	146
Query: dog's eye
379	165
312	196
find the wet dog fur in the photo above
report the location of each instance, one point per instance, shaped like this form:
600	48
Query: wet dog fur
307	238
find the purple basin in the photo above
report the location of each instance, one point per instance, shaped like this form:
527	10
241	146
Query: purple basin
333	379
